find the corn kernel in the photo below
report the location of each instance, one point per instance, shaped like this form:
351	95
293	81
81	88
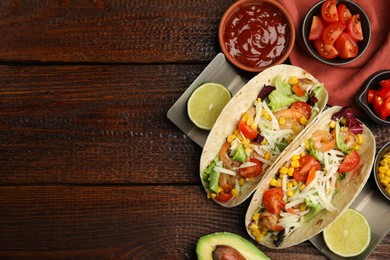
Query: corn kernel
356	147
293	80
245	116
241	181
290	193
267	155
359	138
263	142
295	157
256	233
332	124
295	164
294	182
219	189
387	172
248	150
307	146
264	231
259	238
283	170
303	153
273	182
302	187
296	129
258	99
246	141
343	120
253	226
289	185
253	126
231	138
290	171
282	120
381	169
256	216
249	121
303	120
234	192
279	183
290	138
381	176
213	195
302	207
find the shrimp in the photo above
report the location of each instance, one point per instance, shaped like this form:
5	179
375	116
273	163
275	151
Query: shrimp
323	140
269	221
290	120
227	163
348	137
226	182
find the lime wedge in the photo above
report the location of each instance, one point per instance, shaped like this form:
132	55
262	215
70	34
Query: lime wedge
349	235
206	103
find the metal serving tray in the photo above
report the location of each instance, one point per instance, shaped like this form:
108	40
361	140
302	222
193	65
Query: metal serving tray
369	202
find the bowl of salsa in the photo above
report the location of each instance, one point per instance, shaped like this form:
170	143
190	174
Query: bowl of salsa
256	34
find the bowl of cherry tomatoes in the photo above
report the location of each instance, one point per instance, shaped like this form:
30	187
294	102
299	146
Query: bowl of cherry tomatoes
374	97
336	32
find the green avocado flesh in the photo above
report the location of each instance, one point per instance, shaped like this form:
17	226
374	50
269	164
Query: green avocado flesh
208	243
314	210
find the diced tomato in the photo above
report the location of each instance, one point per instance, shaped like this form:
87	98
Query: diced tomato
324	50
385	108
306	162
354	27
346	46
343	13
246	130
273	200
332	32
223	196
385	83
297	90
302	108
317	27
370	95
252	171
377	103
329	11
350	162
383	92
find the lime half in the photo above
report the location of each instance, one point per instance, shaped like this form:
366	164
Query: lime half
349	235
206	103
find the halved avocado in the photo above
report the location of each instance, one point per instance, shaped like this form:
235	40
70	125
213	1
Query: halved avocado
211	245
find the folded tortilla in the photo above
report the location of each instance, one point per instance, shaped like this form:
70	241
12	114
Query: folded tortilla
348	188
232	113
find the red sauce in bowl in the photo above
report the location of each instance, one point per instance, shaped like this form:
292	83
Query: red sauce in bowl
256	35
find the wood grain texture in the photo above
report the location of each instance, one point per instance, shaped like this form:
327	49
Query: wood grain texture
110	31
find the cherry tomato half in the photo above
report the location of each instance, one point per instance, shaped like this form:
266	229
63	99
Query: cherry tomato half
332	32
302	108
306	162
385	108
223	196
385	83
273	200
329	11
317	27
354	27
346	46
246	130
350	162
252	171
324	50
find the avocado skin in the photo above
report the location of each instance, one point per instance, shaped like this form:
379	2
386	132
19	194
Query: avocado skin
207	244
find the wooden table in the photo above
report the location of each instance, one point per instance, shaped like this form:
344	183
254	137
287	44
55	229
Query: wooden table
90	166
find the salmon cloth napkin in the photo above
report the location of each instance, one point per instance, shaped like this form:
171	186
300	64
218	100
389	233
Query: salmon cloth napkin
344	82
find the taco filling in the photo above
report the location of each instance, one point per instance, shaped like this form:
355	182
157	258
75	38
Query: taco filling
305	183
278	114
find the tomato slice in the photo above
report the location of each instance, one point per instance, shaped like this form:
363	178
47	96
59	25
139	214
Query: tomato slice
311	175
324	50
306	162
223	196
302	108
246	130
354	27
252	171
317	27
332	32
350	162
329	11
385	83
343	13
346	46
370	96
273	200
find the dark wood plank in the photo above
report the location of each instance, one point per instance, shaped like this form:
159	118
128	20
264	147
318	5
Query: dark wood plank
94	124
148	222
110	31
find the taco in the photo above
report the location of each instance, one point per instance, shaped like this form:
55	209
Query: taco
255	127
316	180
